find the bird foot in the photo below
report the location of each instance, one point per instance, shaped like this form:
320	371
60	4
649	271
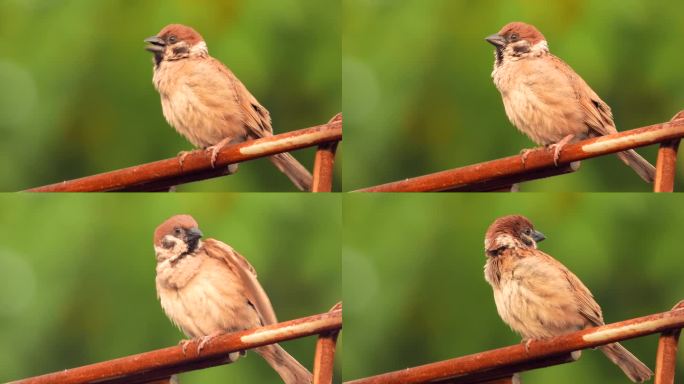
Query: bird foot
558	147
184	344
181	158
523	155
527	343
204	340
214	150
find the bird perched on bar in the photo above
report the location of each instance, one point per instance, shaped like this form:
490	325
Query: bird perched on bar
206	288
206	103
546	100
538	297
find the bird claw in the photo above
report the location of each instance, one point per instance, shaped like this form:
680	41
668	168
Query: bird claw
558	147
523	155
214	150
181	158
184	345
527	342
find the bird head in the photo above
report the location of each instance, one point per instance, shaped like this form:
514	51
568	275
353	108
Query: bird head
512	231
516	40
176	237
176	42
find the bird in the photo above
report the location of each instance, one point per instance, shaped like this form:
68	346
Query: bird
538	297
206	103
206	288
546	99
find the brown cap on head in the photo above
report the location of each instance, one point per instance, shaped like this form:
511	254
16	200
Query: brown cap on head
168	226
181	32
523	30
511	225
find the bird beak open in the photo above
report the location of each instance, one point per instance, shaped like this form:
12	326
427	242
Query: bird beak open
538	236
496	40
193	234
155	44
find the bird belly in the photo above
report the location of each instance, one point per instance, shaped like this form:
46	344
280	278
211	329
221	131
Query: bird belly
201	122
208	305
536	313
542	107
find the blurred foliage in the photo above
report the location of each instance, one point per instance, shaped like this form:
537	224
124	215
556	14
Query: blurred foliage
418	96
414	288
78	273
77	95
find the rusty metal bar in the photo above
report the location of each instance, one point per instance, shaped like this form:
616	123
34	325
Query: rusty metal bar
324	360
666	164
511	356
509	183
323	168
197	164
537	160
666	357
506	373
162	363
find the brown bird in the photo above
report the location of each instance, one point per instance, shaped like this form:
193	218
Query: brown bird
546	100
206	288
206	103
538	297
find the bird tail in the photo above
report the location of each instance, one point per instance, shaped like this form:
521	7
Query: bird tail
634	369
640	165
295	171
287	366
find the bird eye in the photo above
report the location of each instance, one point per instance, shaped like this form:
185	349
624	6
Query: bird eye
514	37
176	231
172	39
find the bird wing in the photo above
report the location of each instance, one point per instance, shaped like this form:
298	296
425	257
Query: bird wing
242	268
256	117
587	306
597	114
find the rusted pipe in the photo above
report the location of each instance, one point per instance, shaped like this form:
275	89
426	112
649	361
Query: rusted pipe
666	356
501	358
197	164
163	363
666	165
324	360
513	168
324	164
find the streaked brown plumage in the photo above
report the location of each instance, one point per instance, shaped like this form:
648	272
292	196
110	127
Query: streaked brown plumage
206	288
537	296
206	103
546	100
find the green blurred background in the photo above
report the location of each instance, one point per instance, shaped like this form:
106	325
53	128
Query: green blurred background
77	95
78	273
418	96
414	287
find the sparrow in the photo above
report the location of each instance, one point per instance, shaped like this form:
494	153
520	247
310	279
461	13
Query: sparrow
206	288
538	297
206	103
546	100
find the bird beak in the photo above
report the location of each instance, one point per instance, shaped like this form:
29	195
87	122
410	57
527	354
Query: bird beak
193	234
155	44
496	40
538	236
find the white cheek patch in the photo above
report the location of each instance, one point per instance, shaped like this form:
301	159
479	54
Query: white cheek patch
506	241
199	48
170	253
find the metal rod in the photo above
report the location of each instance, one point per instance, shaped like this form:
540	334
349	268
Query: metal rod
197	164
666	164
538	349
537	159
324	167
666	356
324	360
161	363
